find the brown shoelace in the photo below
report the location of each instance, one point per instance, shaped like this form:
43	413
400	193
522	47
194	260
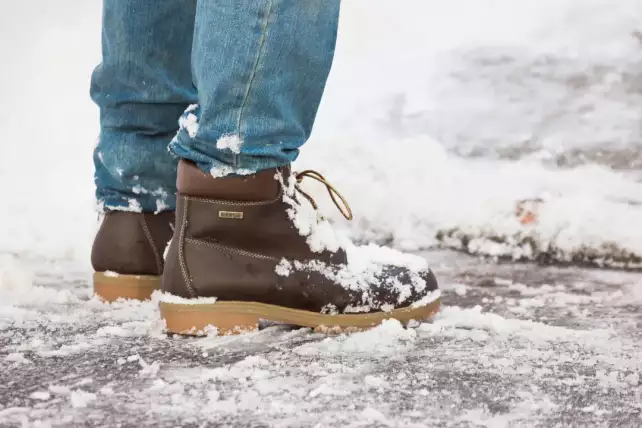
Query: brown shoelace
338	199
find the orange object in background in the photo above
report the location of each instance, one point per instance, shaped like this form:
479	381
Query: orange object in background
526	210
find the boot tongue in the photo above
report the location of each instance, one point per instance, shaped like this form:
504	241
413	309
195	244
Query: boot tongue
262	186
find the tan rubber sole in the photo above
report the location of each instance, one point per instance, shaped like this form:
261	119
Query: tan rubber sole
241	317
136	287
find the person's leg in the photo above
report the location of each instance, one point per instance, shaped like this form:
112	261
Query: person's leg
142	86
260	67
249	243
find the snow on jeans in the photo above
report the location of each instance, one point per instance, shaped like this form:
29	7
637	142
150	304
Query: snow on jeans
233	85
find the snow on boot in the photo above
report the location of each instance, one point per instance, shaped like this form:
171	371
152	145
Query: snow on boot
127	254
254	247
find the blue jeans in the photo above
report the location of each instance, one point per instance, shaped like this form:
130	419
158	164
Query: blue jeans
233	85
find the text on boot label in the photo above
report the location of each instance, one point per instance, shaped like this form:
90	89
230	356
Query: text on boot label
235	215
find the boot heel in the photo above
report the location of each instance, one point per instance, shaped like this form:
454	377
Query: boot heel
200	319
111	287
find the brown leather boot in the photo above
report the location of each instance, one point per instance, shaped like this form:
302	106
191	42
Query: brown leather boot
127	254
254	247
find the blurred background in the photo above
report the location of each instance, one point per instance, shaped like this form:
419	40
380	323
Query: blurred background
452	111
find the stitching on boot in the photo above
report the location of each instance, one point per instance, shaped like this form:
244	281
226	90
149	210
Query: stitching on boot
231	250
238	203
181	252
159	263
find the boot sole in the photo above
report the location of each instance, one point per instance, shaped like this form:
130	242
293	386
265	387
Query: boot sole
135	287
242	317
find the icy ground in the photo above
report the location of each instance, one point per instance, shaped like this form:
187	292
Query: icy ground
514	346
439	118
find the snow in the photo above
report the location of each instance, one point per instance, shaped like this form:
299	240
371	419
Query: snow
81	398
231	142
148	370
190	124
170	298
439	119
219	171
16	357
133	206
284	268
366	266
319	234
427	299
453	318
389	338
408	377
41	395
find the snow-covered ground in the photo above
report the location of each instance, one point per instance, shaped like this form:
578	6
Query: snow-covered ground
439	118
514	346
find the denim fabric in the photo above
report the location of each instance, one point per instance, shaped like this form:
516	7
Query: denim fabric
244	78
142	86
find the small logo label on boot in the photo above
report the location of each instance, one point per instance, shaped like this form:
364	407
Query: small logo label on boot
235	215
